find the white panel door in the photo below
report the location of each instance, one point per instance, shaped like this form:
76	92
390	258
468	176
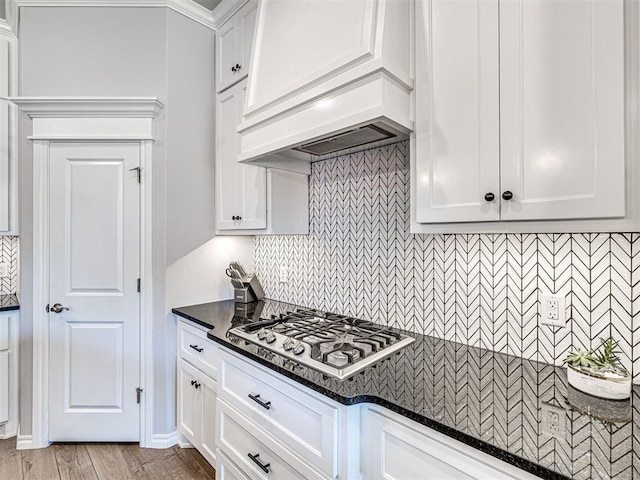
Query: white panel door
562	108
457	119
241	189
94	262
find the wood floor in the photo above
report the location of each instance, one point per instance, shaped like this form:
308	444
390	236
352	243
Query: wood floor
102	462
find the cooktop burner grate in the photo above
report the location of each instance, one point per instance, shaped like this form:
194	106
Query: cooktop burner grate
337	345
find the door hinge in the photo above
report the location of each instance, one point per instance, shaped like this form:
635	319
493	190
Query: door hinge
138	171
138	394
138	285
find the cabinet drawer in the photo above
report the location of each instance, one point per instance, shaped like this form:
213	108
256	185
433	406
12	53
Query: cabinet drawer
197	349
226	470
303	422
239	438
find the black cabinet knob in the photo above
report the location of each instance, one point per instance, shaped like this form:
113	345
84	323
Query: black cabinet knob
233	69
489	197
507	195
238	66
236	217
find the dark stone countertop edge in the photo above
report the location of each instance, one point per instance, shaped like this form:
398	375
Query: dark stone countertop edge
9	303
476	443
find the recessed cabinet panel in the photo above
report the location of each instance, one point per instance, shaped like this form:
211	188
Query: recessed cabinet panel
457	119
291	54
226	50
562	108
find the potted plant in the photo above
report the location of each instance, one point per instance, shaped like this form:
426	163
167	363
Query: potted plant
599	372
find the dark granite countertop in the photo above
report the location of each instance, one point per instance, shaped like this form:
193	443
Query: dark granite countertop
491	401
9	302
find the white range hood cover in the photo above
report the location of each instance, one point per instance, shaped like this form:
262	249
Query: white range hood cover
335	70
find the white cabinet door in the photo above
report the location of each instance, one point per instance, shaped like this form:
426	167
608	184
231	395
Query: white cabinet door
527	127
208	419
188	402
241	193
395	447
234	43
4	386
457	118
562	109
226	37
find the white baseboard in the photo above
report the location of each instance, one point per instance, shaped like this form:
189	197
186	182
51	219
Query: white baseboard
25	442
4	436
164	440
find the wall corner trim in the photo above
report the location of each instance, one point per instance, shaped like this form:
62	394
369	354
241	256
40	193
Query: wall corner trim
188	8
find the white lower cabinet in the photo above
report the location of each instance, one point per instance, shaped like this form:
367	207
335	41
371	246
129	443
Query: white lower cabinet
264	418
253	423
197	392
8	373
394	447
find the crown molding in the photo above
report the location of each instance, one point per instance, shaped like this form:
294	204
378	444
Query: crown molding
225	10
188	8
95	107
6	30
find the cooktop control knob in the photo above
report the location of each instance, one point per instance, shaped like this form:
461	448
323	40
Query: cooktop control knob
288	344
271	337
262	334
298	348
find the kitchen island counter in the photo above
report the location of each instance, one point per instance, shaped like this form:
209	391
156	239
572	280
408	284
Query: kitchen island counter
494	402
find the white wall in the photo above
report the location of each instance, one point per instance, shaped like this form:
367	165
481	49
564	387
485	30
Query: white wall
199	276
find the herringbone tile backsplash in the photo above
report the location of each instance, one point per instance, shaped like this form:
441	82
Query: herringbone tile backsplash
9	247
478	289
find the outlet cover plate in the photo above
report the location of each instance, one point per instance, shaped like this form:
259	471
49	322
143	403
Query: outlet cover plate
553	421
552	310
283	274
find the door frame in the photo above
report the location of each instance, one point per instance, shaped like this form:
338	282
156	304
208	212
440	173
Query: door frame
86	120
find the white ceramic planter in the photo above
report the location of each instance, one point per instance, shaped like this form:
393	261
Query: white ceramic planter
615	388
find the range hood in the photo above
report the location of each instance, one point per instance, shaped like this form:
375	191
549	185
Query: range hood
327	78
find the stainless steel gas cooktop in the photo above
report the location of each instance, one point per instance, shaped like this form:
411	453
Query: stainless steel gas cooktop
335	345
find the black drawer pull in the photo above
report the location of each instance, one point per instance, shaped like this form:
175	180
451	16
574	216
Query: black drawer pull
265	468
195	347
256	398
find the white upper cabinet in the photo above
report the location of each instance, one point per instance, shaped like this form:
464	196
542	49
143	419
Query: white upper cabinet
250	199
241	189
233	47
519	110
562	109
8	122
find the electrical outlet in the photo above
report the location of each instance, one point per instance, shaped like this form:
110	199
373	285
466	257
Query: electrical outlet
283	274
552	311
4	270
553	421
